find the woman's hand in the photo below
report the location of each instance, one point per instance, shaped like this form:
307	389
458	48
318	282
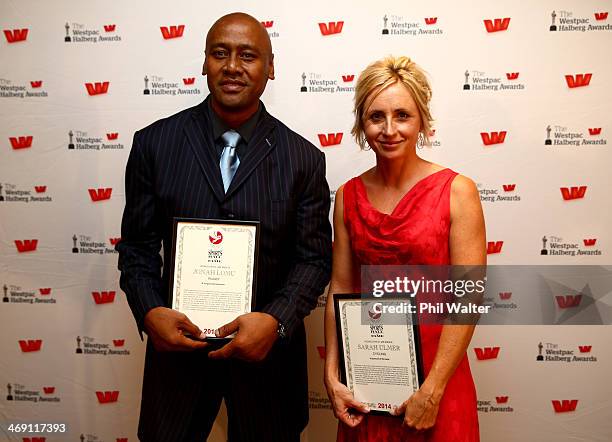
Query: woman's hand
346	408
420	410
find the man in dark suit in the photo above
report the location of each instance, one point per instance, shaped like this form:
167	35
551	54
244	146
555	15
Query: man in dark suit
227	158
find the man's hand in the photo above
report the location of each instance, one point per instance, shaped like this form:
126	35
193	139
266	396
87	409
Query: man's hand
167	329
257	332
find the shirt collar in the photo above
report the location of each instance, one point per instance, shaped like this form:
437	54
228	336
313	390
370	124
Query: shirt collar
246	129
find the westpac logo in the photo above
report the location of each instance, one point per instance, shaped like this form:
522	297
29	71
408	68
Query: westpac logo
563	136
82	33
486	353
156	85
40	189
30	345
499	405
567	21
91	346
29	89
568	301
18	295
494	247
114	241
578	80
504	296
26	245
118	342
476	80
330	139
269	25
491	138
497	24
398	25
21	142
87	245
552	352
22	393
107	397
320	83
81	140
331	28
100	194
170	32
557	246
103	297
34	439
573	193
506	193
97	88
16	35
565	405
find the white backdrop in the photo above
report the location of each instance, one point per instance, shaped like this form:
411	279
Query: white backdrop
54	198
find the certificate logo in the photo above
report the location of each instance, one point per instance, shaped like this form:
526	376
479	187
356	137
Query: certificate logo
215	237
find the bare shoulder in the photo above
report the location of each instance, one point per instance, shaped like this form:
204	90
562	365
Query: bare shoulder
463	188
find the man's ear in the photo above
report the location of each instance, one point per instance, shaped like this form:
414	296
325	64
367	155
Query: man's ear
271	71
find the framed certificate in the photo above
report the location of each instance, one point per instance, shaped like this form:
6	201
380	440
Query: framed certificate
378	342
214	268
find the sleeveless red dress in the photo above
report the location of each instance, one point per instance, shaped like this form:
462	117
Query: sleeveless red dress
416	232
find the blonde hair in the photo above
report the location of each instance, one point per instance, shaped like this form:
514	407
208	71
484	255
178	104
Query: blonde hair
382	74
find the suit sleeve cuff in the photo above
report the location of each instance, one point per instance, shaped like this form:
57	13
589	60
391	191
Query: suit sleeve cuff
285	314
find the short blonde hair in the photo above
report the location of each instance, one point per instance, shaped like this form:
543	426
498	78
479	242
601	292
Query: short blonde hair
382	74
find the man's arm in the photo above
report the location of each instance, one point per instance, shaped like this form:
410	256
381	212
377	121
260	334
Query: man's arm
140	263
312	262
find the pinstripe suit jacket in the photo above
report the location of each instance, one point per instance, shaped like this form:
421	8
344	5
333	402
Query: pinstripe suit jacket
173	171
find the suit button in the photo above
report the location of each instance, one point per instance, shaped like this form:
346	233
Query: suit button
230	215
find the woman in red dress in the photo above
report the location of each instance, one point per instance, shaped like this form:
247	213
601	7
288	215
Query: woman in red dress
405	210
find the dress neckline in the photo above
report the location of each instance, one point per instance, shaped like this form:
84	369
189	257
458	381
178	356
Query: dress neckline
402	199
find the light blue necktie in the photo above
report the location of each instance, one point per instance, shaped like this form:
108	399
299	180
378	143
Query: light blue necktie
229	158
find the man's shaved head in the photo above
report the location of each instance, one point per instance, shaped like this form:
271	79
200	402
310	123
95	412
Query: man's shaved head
245	19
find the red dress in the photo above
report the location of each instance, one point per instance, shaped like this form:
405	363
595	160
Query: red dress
416	232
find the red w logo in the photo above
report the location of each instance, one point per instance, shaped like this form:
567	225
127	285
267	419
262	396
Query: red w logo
121	439
493	137
512	75
45	291
330	139
494	247
333	27
573	193
100	194
268	24
322	352
585	348
578	80
496	25
21	142
30	345
589	242
505	295
568	301
40	189
188	81
109	28
601	15
348	78
112	136
97	88
118	342
114	241
172	31
594	130
16	35
34	439
509	187
565	405
485	353
36	84
103	297
26	245
501	399
106	397
431	20
49	390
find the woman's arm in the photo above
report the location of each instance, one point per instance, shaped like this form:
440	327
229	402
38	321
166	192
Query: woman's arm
341	397
467	245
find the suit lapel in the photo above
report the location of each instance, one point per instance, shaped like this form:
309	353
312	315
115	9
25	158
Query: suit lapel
203	145
260	146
